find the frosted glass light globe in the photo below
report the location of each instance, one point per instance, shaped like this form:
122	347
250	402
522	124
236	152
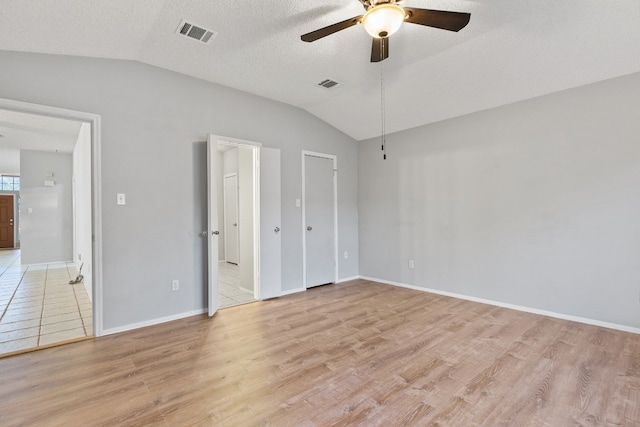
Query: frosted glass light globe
383	20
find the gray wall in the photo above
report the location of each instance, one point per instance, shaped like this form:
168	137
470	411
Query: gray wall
154	123
46	212
535	204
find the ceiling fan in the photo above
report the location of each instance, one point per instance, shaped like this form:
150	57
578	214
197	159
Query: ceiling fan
384	17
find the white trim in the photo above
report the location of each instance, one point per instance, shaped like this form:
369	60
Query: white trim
96	197
335	214
38	264
562	316
157	321
348	279
292	291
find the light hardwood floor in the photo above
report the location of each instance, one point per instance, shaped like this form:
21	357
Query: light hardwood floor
358	353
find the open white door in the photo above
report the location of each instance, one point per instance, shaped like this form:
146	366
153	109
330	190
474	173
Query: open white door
212	224
270	216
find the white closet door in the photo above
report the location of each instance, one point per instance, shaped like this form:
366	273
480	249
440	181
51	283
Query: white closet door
319	220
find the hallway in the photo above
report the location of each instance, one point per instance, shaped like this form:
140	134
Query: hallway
229	290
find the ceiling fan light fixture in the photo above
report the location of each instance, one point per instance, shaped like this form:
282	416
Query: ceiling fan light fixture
383	20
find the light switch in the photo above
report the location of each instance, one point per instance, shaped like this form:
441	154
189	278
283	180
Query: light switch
297	203
120	199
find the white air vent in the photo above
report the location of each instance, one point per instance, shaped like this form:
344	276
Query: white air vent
328	83
195	32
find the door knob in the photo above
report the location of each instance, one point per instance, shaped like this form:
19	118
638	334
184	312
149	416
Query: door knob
309	228
215	233
235	224
276	229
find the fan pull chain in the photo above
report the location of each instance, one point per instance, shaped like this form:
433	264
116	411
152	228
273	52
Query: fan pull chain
382	112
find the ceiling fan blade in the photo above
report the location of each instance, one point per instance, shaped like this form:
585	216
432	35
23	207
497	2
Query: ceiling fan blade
452	21
323	32
379	49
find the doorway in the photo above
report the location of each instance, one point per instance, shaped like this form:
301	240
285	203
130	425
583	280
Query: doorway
259	244
236	202
319	212
49	278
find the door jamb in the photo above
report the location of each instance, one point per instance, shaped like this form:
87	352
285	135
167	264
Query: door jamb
96	189
335	214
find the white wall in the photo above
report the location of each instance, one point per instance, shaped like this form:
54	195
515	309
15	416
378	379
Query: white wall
9	161
154	123
82	206
534	204
47	232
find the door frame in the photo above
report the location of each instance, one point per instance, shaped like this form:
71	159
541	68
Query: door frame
334	158
94	121
224	211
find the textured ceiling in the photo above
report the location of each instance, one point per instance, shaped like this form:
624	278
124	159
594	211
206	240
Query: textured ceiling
511	50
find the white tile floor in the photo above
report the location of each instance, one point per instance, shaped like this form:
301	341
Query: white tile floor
229	289
38	306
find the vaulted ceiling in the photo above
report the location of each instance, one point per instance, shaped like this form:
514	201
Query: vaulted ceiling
511	50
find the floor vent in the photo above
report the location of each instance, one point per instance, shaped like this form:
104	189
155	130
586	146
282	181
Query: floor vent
195	32
328	83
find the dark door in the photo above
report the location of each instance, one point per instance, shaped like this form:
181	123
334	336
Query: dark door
6	222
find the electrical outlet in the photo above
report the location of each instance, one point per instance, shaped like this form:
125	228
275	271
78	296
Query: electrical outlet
411	264
175	285
346	255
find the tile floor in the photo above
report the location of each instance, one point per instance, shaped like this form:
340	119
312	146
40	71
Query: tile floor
229	290
38	306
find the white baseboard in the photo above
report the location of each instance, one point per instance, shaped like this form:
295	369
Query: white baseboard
152	322
292	291
40	264
348	279
578	319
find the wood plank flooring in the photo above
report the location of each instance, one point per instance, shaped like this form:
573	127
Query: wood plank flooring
358	353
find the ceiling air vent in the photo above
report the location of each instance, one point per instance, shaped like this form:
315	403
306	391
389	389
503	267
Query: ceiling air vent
328	83
195	32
